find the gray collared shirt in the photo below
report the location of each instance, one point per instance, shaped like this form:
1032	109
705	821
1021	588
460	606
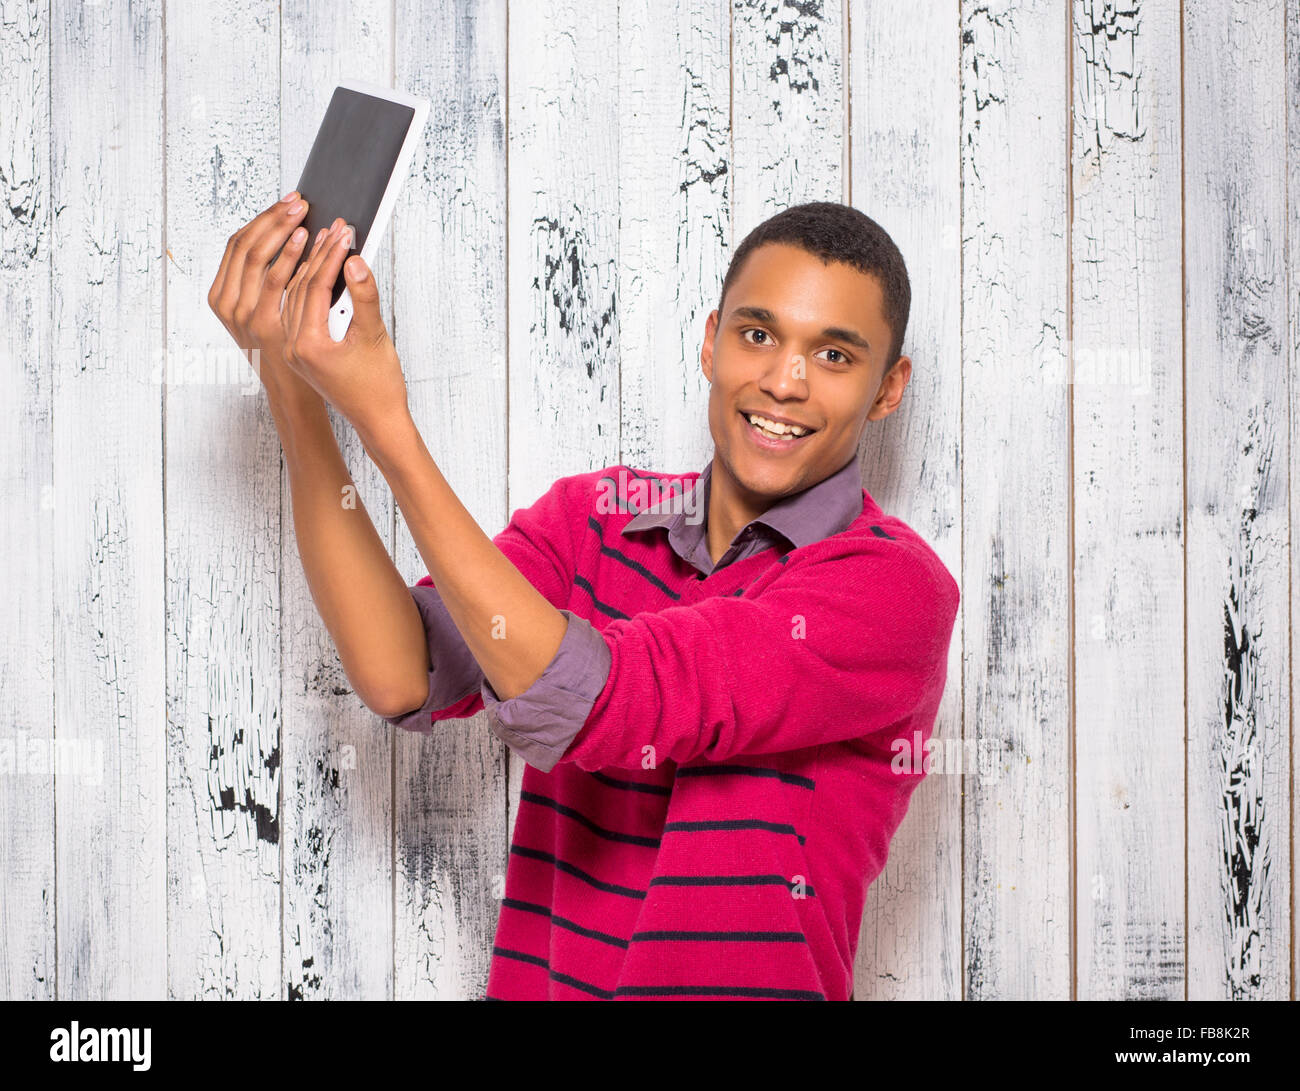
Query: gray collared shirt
540	723
802	518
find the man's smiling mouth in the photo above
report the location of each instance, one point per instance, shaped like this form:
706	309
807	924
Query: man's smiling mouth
772	431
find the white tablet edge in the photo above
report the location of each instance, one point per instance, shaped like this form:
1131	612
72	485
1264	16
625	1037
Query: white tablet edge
341	314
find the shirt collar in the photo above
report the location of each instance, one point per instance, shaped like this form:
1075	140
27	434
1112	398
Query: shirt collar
804	517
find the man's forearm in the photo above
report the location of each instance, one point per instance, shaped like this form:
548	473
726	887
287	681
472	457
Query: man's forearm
508	625
359	593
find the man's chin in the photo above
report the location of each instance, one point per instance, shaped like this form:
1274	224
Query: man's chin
763	480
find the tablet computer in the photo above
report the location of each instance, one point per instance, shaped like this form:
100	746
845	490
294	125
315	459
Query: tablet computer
356	167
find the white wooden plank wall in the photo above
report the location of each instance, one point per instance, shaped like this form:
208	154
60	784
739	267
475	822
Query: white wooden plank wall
27	955
1237	488
336	779
117	676
1015	496
1128	518
904	173
449	300
1096	203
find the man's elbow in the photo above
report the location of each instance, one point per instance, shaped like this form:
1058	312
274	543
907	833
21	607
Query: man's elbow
391	704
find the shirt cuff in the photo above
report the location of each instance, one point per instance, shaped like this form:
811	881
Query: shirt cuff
540	723
455	672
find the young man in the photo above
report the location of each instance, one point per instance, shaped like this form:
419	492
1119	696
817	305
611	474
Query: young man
712	690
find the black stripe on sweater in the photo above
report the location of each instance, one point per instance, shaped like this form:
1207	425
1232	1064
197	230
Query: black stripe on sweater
759	991
730	880
565	979
604	608
675	935
732	824
631	785
665	492
563	922
521	956
622	504
583	820
747	771
577	872
879	533
640	570
623	559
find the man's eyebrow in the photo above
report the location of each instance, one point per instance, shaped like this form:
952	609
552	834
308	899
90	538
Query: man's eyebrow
758	314
837	333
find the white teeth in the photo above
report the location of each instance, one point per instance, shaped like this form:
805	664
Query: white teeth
775	429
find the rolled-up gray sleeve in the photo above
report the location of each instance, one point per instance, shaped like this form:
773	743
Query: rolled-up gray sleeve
454	673
540	723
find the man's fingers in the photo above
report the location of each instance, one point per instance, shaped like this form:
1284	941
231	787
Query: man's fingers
321	251
309	263
318	291
303	278
266	235
282	268
233	263
217	295
287	266
218	281
219	298
293	300
367	326
289	316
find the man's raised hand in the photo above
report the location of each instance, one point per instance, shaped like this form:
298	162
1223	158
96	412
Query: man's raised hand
361	375
248	288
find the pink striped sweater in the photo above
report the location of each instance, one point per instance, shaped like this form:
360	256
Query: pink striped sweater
745	744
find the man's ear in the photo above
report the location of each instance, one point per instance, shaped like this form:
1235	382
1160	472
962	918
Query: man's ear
891	389
706	348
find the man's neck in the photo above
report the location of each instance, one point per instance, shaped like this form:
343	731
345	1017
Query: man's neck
729	511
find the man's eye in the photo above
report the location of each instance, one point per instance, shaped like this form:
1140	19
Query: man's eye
842	357
762	333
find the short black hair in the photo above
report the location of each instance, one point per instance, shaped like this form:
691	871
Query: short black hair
838	232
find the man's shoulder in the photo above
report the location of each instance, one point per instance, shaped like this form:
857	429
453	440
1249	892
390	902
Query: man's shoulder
876	540
620	488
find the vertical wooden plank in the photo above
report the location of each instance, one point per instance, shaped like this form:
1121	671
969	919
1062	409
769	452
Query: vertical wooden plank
106	91
788	107
223	525
337	757
563	182
449	302
1238	759
1015	532
905	173
27	639
674	222
1127	484
1292	258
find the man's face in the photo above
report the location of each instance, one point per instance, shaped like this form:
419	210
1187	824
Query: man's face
790	347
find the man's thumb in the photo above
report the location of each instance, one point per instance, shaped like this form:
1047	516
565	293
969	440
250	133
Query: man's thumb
365	296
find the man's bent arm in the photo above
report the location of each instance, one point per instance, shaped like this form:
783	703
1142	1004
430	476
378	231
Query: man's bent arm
359	593
512	630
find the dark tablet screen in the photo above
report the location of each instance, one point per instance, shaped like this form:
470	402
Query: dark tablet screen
350	164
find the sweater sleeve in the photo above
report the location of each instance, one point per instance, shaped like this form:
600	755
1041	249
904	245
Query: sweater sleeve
848	641
454	674
537	542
